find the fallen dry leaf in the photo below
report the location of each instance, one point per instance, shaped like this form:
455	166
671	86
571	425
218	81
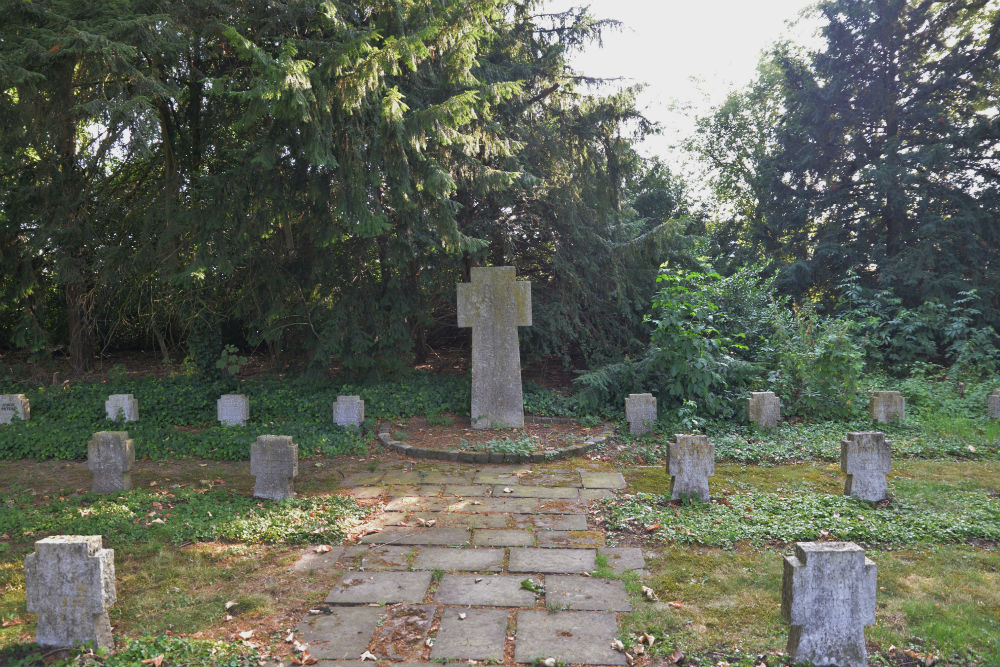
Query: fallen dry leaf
675	657
290	638
246	634
367	655
231	604
676	604
4	623
323	548
155	662
649	593
618	646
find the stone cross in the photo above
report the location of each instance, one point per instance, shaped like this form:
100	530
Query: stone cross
993	404
828	597
494	304
640	412
70	584
122	406
690	462
233	409
12	405
764	409
349	411
274	461
885	406
110	458
866	458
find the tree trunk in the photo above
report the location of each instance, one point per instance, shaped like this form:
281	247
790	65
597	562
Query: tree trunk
78	320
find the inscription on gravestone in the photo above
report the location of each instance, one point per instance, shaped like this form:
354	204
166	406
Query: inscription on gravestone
866	458
233	409
690	462
494	304
349	411
14	405
69	581
640	412
828	597
110	458
122	407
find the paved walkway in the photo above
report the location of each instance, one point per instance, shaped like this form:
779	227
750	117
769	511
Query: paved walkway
445	576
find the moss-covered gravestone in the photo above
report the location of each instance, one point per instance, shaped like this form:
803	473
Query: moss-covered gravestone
494	304
690	462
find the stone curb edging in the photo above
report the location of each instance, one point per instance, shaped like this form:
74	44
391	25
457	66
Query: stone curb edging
385	437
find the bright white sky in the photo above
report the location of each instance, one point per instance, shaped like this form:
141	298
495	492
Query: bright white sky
689	53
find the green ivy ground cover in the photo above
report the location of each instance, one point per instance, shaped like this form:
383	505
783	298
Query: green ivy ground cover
178	414
177	516
172	651
779	517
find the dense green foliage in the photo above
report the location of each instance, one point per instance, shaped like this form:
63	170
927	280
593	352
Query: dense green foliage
780	517
178	516
313	178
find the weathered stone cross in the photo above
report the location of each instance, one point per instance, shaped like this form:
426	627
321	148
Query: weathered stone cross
494	304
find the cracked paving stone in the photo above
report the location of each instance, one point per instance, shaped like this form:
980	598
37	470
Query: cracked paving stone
602	480
552	478
571	539
365	492
586	593
521	491
462	490
435	535
384	587
455	520
479	636
573	637
419	490
495	477
492	590
550	521
561	506
343	634
310	560
480	505
596	494
401	636
417	504
545	561
621	559
469	560
377	557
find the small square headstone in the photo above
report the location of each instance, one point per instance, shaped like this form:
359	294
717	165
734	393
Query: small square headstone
640	412
828	597
690	462
993	404
14	405
349	411
866	458
110	458
884	406
233	409
70	583
122	407
274	461
764	409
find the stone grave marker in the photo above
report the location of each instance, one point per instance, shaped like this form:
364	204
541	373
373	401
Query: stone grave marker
828	597
349	411
494	304
14	405
70	584
274	461
640	412
110	458
866	457
123	407
884	406
764	409
993	404
690	462
233	409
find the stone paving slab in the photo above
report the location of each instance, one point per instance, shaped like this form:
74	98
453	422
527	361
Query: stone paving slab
549	521
310	560
521	491
418	504
545	561
586	593
621	559
428	490
401	636
492	590
488	537
435	535
466	490
385	587
453	519
552	478
596	494
365	492
495	477
387	519
602	480
479	636
400	478
449	477
571	539
573	637
343	634
381	557
480	505
468	560
561	506
363	479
